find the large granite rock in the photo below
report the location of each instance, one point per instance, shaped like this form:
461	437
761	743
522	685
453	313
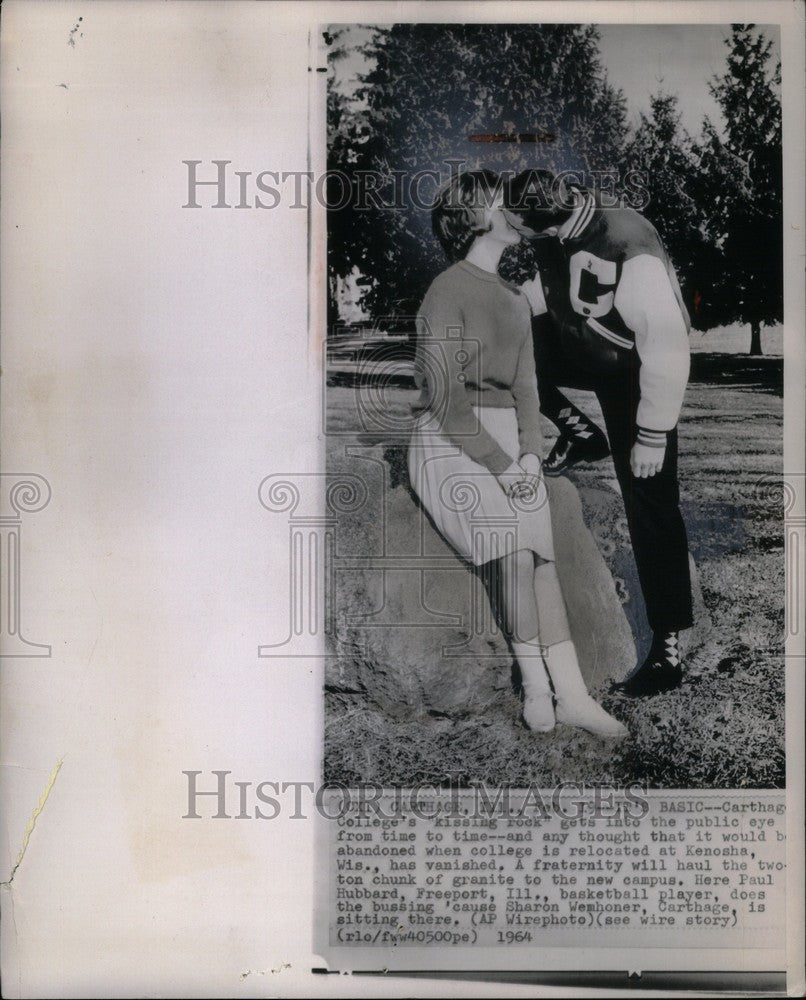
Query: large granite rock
599	626
414	632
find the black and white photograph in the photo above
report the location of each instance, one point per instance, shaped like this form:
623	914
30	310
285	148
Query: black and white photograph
402	498
554	404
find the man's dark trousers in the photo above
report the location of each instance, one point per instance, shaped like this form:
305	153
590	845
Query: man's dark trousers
652	505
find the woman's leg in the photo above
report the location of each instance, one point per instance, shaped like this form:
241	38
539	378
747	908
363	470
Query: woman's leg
574	705
519	607
516	573
550	604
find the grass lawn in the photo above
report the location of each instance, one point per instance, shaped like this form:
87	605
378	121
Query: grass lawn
724	728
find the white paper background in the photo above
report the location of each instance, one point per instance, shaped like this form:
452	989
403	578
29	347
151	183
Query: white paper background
156	366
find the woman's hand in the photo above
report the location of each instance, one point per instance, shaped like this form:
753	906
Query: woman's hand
513	479
532	465
533	468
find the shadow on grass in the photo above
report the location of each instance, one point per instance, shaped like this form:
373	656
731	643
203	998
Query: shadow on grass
368	378
751	373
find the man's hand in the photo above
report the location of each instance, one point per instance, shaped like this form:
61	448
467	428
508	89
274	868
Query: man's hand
646	461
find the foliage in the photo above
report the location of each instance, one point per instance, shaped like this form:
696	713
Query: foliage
740	184
716	200
664	154
432	86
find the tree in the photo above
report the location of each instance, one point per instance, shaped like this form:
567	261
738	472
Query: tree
663	152
740	186
428	88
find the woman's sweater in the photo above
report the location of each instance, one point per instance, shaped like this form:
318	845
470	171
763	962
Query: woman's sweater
474	348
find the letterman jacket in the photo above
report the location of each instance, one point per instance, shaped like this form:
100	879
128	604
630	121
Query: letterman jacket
618	280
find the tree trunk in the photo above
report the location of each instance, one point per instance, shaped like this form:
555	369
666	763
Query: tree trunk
755	337
332	304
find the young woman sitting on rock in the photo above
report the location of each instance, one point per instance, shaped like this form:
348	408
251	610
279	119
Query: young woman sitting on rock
475	452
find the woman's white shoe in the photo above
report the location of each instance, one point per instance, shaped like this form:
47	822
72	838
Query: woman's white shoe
587	714
575	707
538	704
538	712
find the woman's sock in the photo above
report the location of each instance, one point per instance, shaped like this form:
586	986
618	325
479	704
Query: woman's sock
538	705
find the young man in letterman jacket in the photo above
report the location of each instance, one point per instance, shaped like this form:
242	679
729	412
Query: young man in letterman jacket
609	317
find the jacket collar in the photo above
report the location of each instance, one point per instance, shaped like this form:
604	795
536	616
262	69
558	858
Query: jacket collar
580	218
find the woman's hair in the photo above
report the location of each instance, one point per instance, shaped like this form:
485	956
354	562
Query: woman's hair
539	198
458	213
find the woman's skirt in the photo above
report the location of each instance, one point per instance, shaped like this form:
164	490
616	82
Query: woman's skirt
465	502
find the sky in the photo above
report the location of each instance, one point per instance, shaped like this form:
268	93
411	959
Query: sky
678	58
642	59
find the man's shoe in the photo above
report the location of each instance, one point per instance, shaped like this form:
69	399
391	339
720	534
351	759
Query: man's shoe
653	677
570	450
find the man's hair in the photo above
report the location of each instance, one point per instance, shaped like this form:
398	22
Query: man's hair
458	213
539	199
